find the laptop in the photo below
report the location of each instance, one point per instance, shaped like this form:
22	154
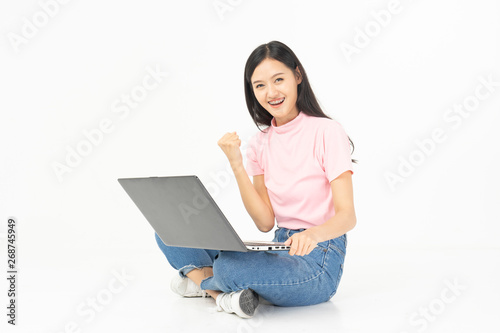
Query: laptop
184	214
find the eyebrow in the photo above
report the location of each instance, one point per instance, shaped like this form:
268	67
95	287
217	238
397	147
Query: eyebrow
254	82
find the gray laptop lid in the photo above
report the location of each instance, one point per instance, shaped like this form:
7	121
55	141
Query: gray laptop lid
182	212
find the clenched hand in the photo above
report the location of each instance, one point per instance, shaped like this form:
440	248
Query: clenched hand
230	144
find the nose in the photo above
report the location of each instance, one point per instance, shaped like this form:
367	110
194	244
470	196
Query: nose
272	92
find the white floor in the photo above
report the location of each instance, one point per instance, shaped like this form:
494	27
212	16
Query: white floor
381	291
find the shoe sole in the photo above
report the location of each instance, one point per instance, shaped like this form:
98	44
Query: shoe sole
249	300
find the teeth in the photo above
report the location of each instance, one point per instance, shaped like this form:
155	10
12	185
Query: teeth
277	102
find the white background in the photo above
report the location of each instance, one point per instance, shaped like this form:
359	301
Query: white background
64	79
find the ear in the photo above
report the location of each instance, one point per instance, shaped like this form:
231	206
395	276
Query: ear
298	75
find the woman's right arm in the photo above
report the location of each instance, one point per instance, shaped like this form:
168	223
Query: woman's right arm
255	199
254	196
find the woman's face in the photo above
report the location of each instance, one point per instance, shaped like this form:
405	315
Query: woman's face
275	87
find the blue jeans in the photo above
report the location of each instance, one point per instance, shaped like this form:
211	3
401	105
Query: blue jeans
276	276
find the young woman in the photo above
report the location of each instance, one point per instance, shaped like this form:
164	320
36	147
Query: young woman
301	168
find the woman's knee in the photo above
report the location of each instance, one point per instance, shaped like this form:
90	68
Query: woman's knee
158	240
229	269
183	257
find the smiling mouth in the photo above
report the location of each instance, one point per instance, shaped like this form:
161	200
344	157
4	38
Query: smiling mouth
276	102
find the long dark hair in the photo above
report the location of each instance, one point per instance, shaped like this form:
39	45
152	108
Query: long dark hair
306	100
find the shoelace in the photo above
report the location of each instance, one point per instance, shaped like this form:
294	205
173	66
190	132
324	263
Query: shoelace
225	302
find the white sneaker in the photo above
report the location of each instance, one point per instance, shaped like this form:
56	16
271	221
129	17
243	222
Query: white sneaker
243	302
186	287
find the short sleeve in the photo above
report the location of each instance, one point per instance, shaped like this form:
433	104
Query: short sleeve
253	155
335	151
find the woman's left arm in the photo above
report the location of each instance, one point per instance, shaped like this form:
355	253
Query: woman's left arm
344	220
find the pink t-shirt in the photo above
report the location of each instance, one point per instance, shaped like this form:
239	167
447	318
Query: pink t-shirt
299	160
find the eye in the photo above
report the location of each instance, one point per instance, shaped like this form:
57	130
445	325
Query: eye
259	85
280	79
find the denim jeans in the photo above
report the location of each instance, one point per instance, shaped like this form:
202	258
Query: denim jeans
276	276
